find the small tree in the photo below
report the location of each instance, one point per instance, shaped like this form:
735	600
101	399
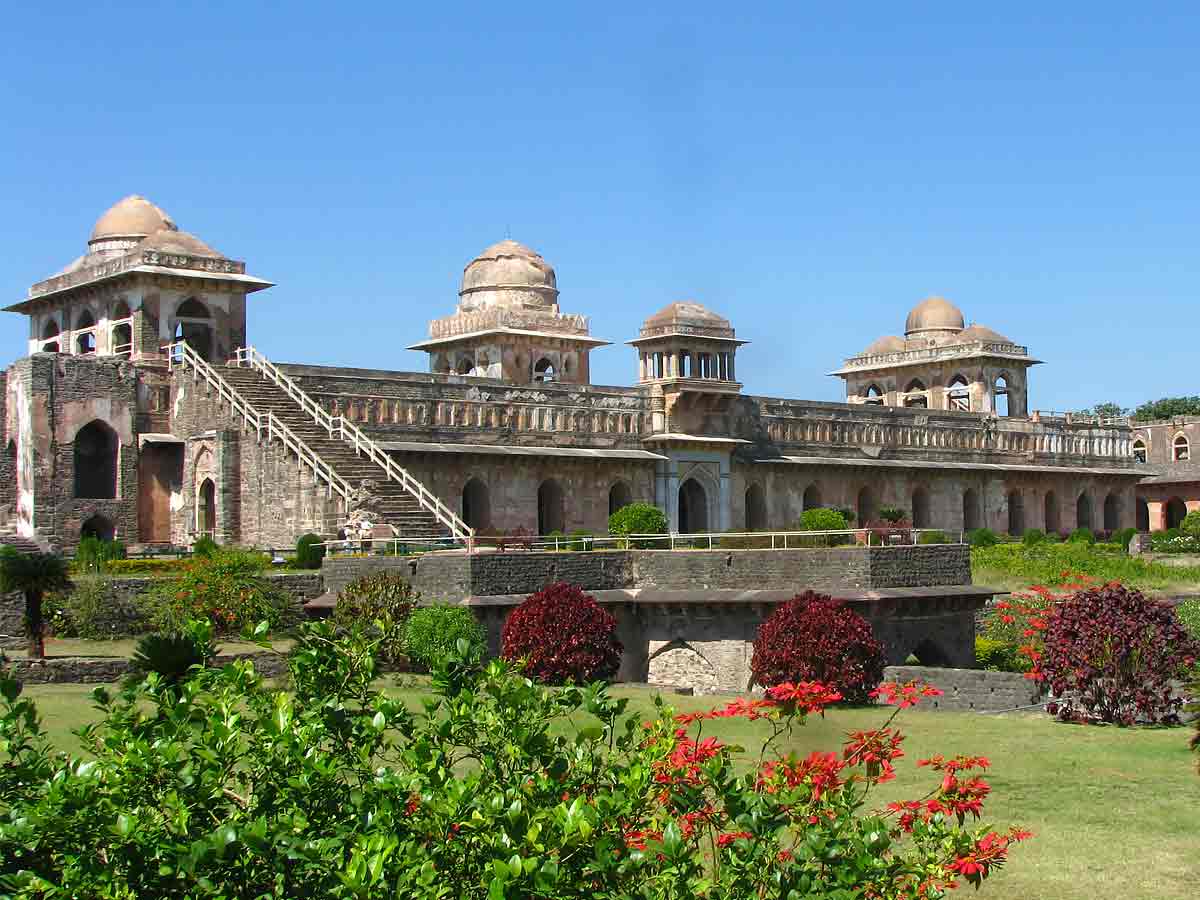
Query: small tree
34	575
382	600
1191	523
813	637
561	634
638	518
821	519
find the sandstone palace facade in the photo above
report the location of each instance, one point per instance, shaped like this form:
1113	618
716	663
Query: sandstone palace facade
142	411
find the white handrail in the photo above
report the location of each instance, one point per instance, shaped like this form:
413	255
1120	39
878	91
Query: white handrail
180	353
350	433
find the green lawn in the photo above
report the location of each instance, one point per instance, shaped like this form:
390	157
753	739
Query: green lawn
1116	812
1013	567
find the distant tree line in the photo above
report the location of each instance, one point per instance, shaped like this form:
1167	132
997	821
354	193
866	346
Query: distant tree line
1151	410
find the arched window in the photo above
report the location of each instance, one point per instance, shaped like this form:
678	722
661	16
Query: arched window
915	396
476	505
120	311
1143	515
1176	510
85	341
756	508
1016	513
550	507
958	395
1181	451
920	508
1139	451
465	366
193	324
972	514
812	497
874	395
1083	511
98	527
543	370
619	496
866	507
206	508
121	342
1112	512
50	337
693	507
95	455
1051	513
1000	392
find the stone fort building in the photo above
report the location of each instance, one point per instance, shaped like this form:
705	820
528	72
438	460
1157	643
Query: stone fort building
142	412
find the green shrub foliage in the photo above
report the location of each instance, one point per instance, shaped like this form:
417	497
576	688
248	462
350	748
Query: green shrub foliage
381	601
639	518
1191	523
813	637
822	519
90	610
205	547
94	555
1188	614
1033	536
1082	535
310	551
1122	538
227	589
982	537
222	787
892	514
171	655
933	537
560	634
1000	655
433	632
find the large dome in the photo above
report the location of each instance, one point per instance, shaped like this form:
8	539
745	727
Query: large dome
133	217
508	274
934	314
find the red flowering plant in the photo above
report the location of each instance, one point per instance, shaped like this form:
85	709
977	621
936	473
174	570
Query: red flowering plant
560	634
1017	624
813	637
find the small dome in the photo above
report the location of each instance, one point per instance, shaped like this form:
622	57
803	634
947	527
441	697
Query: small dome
981	333
508	274
168	241
889	343
132	217
934	314
687	314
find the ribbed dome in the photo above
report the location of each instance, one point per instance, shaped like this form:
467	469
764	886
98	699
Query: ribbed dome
887	344
508	274
934	314
181	242
133	217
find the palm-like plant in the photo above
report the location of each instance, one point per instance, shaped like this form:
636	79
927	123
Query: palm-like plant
34	575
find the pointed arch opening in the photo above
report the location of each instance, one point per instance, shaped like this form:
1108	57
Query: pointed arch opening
99	527
1083	511
1139	451
915	396
874	396
866	507
477	505
1000	393
1181	450
95	454
543	371
972	512
193	323
206	509
958	394
812	497
1112	512
1016	513
756	508
693	507
1176	510
551	515
920	508
1051	514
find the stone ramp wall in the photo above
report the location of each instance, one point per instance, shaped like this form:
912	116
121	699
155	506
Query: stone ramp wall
971	689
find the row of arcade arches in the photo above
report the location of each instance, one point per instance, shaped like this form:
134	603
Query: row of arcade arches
476	508
958	395
193	323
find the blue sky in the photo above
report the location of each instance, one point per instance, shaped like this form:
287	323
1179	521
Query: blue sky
811	174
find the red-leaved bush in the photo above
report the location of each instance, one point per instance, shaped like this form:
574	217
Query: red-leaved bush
813	637
1111	655
561	634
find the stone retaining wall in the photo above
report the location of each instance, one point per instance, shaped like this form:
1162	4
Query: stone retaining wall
103	670
971	689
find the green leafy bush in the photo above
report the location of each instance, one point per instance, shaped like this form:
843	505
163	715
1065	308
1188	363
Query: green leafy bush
1082	535
1122	538
999	656
892	514
95	555
91	610
933	537
820	518
381	601
1191	523
433	632
205	547
1033	536
171	655
154	567
982	537
310	551
227	589
639	518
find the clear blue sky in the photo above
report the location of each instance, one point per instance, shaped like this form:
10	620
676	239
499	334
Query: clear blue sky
811	174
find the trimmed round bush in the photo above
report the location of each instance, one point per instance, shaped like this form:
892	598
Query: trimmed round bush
310	551
639	518
432	632
820	518
813	637
1111	654
560	634
382	600
982	537
1082	536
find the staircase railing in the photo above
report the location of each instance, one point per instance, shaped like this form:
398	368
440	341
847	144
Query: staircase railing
181	355
352	435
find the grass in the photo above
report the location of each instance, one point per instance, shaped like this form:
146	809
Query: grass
1015	566
1114	811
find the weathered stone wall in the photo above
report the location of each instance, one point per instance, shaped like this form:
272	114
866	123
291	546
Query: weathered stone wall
103	670
971	689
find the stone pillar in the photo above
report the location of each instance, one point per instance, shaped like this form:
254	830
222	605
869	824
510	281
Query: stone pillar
1158	515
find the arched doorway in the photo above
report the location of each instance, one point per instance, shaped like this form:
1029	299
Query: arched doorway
920	508
1016	513
866	507
98	527
476	505
1143	515
206	509
874	396
1112	512
1083	511
619	496
756	508
1051	513
693	507
972	514
915	395
1000	392
95	455
812	497
1176	510
50	337
550	507
85	341
958	395
543	371
193	324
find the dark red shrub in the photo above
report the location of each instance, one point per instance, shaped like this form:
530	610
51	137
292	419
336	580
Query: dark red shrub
1111	654
813	637
562	635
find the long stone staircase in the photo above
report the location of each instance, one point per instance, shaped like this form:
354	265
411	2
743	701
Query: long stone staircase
336	451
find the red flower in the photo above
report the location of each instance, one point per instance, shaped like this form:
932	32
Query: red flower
724	840
904	695
874	751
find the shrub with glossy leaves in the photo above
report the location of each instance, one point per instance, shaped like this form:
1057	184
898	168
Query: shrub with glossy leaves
1111	655
432	633
813	637
560	634
821	519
